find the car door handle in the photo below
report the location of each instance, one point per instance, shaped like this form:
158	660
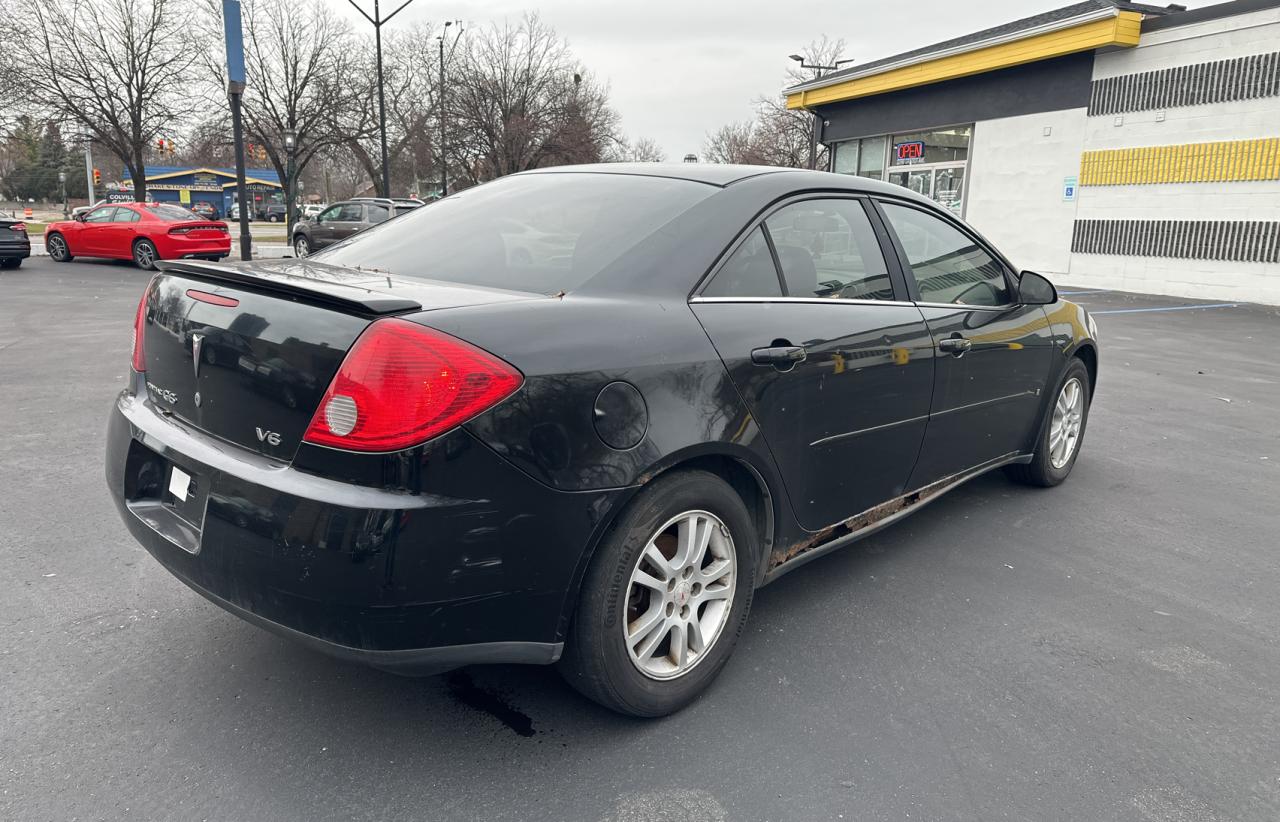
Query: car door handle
955	345
782	356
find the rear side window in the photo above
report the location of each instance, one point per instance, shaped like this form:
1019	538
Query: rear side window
378	213
827	248
948	265
172	213
126	215
749	272
542	233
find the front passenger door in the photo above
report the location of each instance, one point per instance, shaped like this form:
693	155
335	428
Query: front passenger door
833	362
92	238
993	355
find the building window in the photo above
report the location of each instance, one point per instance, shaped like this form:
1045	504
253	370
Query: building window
864	157
944	145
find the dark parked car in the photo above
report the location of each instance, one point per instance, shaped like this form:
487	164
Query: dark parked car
342	220
591	458
15	245
204	209
273	213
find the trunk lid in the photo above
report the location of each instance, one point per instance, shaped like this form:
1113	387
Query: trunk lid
245	352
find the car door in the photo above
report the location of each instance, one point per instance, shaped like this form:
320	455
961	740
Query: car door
993	354
375	213
119	233
92	238
813	322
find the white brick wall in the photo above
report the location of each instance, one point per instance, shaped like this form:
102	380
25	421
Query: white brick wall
1254	33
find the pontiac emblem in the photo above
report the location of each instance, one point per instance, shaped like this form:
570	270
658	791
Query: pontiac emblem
196	340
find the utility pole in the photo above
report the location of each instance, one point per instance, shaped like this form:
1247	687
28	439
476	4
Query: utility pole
444	161
378	21
817	119
235	88
88	168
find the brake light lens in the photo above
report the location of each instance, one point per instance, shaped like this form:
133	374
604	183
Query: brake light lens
139	325
402	384
18	227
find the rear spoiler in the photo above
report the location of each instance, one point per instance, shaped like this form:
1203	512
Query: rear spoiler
343	288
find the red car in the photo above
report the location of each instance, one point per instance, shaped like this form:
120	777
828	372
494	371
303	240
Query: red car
142	232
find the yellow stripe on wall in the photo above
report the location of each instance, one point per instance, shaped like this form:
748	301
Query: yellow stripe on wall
1228	161
1121	30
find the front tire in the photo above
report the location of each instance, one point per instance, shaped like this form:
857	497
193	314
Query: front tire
301	246
56	245
1062	433
665	597
145	255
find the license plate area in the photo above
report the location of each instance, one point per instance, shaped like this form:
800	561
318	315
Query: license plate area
186	493
169	497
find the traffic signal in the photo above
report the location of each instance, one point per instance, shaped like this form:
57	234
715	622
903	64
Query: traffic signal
97	177
251	152
160	145
262	154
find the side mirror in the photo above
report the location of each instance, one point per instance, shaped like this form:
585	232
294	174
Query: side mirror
79	218
1034	289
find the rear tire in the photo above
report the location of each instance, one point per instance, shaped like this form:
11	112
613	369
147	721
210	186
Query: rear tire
301	246
611	656
56	245
145	255
1062	433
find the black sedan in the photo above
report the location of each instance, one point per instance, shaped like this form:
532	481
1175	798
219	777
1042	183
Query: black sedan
15	245
594	451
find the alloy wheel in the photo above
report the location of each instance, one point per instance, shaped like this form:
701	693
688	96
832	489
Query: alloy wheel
679	595
144	255
1064	428
300	247
57	248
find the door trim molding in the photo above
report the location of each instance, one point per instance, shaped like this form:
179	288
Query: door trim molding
882	427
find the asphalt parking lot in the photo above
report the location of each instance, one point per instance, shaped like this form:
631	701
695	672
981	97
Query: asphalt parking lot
1106	650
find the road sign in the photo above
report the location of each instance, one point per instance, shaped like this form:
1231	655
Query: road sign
1070	186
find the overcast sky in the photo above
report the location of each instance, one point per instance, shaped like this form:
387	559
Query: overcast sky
681	68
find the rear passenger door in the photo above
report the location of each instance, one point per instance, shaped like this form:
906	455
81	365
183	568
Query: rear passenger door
833	361
993	355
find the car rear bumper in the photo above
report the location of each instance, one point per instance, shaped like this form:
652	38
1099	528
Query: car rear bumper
171	247
412	582
12	250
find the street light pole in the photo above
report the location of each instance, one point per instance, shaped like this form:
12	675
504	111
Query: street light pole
290	147
444	162
378	21
62	182
817	119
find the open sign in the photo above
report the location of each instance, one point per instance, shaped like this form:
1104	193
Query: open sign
909	151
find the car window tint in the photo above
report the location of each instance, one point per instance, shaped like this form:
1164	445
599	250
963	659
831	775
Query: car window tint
948	265
349	213
101	215
173	213
542	233
378	213
330	213
827	248
749	272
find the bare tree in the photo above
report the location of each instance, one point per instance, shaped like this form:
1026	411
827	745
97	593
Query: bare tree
522	101
642	150
118	69
776	136
410	67
299	69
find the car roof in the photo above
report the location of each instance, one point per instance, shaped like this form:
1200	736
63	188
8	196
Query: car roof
723	175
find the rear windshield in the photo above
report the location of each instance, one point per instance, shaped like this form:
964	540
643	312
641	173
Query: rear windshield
172	213
543	233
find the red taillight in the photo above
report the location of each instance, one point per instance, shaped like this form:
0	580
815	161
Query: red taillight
139	324
18	227
402	384
183	229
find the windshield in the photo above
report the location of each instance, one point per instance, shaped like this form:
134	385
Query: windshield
543	233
